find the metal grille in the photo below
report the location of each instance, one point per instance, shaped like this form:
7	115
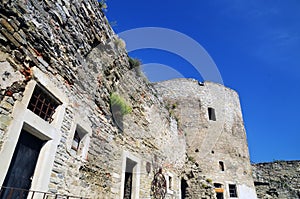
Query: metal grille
43	103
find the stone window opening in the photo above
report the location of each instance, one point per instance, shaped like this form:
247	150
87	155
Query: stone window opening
76	142
184	188
232	191
211	114
43	103
170	182
221	166
79	142
129	178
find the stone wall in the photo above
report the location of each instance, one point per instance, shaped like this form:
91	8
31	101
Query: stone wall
212	141
279	179
68	46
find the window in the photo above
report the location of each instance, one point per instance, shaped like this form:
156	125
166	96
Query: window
76	142
219	190
128	178
79	141
43	103
221	165
211	114
170	182
232	191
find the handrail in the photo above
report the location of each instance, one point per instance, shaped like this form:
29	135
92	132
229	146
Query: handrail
12	192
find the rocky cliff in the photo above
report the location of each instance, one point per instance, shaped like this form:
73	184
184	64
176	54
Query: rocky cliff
279	179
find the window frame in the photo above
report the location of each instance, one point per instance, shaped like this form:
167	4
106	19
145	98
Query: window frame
43	103
82	135
232	188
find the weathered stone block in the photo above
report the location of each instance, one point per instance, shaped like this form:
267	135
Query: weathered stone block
4	121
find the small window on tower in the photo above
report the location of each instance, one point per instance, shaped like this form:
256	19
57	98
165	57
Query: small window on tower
232	191
43	103
211	114
221	165
170	182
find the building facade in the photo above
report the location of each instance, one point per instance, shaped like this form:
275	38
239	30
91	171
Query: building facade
210	116
78	119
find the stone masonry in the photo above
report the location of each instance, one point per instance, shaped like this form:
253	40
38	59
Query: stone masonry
279	179
164	144
214	142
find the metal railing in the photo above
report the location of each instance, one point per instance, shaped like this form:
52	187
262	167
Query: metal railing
18	193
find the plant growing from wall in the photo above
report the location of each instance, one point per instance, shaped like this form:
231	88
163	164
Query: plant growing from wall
103	4
136	65
119	105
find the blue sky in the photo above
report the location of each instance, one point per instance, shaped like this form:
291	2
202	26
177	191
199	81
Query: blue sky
256	47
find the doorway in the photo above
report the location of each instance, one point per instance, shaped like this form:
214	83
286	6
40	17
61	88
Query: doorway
220	196
22	166
128	178
184	187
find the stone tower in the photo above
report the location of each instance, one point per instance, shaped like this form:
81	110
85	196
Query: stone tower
210	117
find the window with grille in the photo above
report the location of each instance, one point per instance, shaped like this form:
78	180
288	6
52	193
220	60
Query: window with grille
232	191
43	103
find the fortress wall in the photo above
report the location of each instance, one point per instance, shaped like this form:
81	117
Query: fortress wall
212	141
68	48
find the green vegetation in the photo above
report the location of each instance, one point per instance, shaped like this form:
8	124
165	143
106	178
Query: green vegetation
103	4
119	105
134	63
204	186
191	159
208	180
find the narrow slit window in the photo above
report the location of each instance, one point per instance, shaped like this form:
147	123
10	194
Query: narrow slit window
211	114
221	166
232	191
170	182
43	103
130	178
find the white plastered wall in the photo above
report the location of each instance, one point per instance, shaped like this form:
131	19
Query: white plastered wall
27	120
243	191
